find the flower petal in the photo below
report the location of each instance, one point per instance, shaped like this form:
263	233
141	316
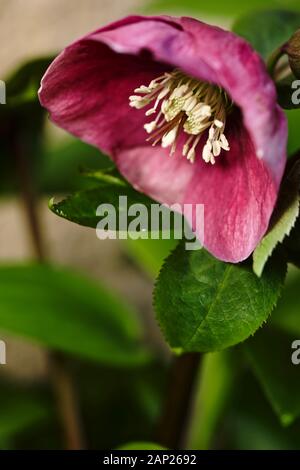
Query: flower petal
86	90
238	192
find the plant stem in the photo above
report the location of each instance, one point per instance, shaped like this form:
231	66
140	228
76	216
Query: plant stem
66	401
212	393
173	424
62	384
273	60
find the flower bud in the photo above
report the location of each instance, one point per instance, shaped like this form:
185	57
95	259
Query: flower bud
292	48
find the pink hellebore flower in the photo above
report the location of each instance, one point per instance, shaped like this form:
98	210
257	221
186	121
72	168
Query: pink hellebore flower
187	112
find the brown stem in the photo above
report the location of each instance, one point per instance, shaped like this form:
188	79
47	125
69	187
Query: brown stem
66	401
273	60
59	375
172	427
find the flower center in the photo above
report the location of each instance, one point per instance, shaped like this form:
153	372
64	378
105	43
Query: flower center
182	103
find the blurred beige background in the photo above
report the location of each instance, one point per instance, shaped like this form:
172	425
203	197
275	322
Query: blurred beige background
35	27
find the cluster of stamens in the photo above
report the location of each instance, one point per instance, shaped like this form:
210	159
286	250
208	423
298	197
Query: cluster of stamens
182	103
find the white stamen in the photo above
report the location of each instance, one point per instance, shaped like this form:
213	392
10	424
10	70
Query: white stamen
191	155
142	89
179	92
216	148
224	142
218	123
202	110
185	105
150	127
189	105
169	138
211	133
206	152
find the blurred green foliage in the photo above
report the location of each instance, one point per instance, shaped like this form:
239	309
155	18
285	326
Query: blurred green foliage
250	423
54	166
218	8
214	388
65	311
269	353
22	409
267	30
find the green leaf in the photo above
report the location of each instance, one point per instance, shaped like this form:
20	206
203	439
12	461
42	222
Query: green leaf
21	121
267	30
81	207
23	84
54	168
203	304
276	235
123	209
293	117
149	254
107	175
291	243
68	312
283	218
269	354
141	446
218	8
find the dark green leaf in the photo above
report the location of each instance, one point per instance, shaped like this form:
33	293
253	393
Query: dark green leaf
21	121
68	312
286	315
23	84
203	304
127	401
252	422
269	353
293	117
292	242
82	207
267	30
292	245
54	168
20	410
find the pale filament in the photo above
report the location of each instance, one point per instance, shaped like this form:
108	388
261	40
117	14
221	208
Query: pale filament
182	103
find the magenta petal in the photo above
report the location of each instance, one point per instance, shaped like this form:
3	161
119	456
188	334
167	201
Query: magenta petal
86	90
238	192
